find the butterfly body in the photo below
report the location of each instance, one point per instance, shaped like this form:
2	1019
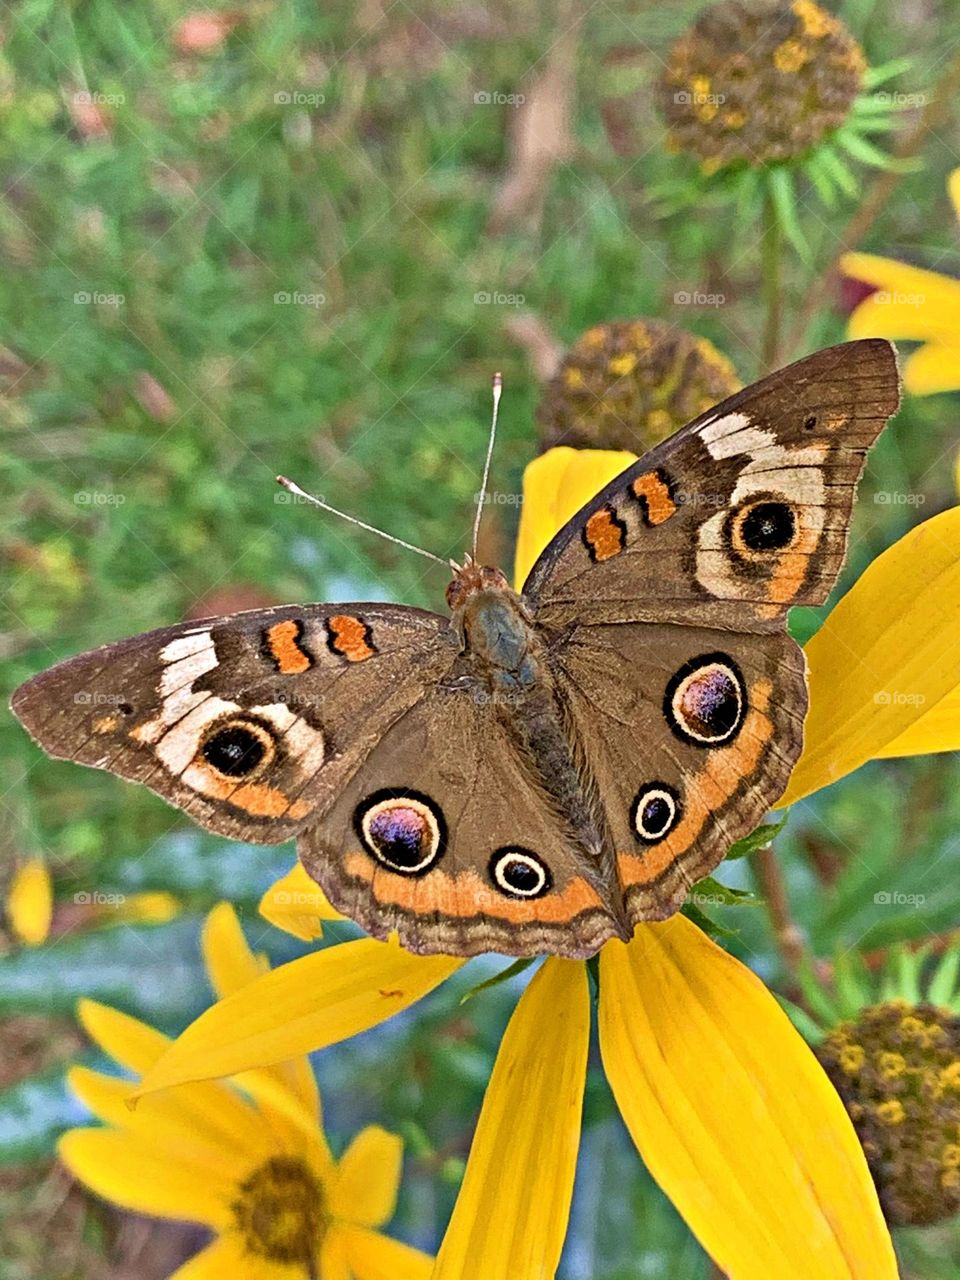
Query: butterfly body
539	770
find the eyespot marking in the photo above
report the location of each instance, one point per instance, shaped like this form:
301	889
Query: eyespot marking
283	643
705	701
654	492
238	749
403	831
604	534
761	527
349	637
520	873
655	812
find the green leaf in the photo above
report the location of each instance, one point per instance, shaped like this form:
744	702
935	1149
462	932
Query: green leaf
704	922
943	984
711	892
780	186
864	151
886	71
838	171
757	839
498	979
808	1027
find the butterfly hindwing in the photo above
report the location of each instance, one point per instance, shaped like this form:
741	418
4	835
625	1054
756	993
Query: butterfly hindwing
445	837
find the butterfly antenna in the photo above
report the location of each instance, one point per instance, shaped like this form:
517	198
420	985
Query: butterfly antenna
497	389
361	524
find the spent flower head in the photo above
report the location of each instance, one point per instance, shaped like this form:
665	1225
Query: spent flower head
630	384
891	1047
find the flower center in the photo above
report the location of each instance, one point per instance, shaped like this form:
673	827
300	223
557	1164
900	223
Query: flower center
281	1211
897	1069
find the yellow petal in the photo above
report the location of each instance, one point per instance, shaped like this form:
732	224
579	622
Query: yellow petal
935	367
131	1043
135	1175
733	1115
904	316
555	486
333	1256
368	1178
214	1114
938	730
372	1256
225	1257
511	1214
297	904
229	961
307	1004
953	190
884	657
231	965
30	902
899	278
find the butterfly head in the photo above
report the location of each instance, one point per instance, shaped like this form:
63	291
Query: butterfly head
471	578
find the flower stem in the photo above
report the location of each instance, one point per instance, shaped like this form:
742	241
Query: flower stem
772	257
786	932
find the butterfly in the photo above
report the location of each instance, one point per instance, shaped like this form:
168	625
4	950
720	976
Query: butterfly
536	771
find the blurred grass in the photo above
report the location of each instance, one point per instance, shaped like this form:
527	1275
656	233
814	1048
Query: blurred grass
141	438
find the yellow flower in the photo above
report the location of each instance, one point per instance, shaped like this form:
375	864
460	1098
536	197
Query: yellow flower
246	1158
727	1105
913	304
30	902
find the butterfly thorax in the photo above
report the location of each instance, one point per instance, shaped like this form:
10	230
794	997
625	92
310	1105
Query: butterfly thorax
506	660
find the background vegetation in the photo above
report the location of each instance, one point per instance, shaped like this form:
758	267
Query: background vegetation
259	241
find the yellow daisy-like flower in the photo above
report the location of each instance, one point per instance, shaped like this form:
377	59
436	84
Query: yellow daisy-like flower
725	1102
913	304
247	1159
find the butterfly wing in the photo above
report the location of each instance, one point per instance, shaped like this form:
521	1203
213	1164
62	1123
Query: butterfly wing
667	596
249	723
689	735
740	515
445	837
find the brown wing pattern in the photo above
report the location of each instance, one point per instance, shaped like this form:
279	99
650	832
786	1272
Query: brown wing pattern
737	517
647	744
488	864
249	723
